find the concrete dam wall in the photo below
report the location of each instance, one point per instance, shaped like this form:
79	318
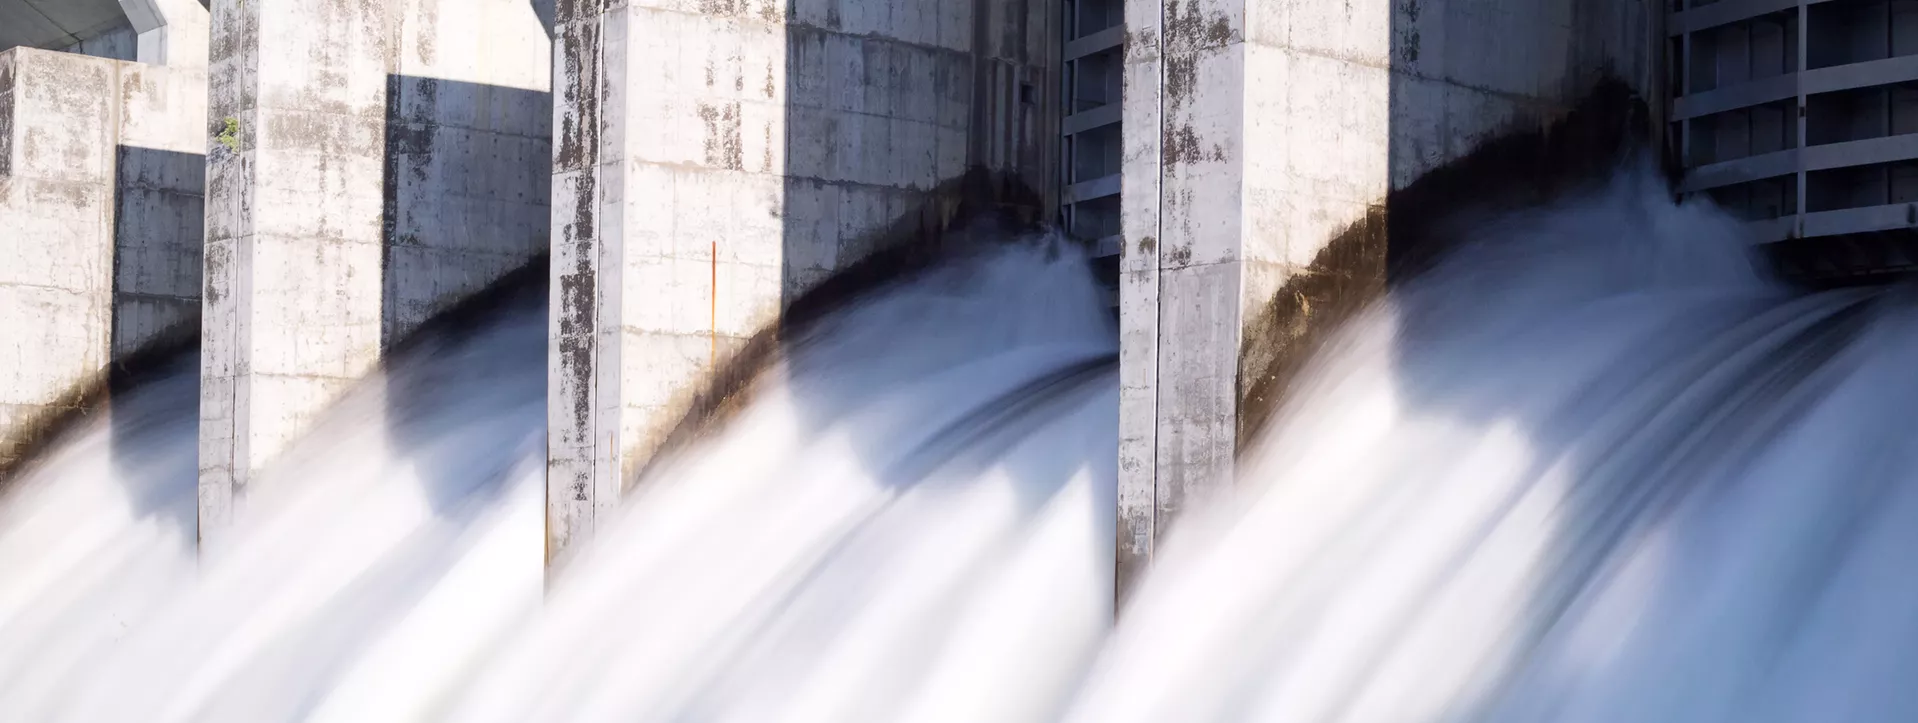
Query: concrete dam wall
330	175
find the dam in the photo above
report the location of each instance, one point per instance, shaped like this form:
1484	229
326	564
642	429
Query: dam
828	360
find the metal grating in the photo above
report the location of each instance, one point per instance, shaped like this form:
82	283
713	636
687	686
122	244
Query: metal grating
1092	83
1801	116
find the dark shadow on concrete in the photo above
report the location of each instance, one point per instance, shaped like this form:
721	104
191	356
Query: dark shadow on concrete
153	383
466	189
544	9
832	185
159	217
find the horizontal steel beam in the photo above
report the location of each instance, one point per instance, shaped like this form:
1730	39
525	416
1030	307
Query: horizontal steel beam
1098	42
1100	187
1726	13
1836	78
1849	154
1086	120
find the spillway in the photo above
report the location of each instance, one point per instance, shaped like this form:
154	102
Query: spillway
1595	466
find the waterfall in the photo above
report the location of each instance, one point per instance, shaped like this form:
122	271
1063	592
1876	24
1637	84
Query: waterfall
1594	466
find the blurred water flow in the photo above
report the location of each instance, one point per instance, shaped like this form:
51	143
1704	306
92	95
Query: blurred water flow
1594	468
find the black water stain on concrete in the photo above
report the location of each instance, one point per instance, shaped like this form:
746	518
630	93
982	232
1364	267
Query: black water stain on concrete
29	441
1179	257
723	147
1148	245
1408	40
1189	27
7	74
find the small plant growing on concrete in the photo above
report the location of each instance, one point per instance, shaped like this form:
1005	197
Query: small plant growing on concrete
230	135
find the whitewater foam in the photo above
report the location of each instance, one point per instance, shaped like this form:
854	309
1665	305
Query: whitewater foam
1594	467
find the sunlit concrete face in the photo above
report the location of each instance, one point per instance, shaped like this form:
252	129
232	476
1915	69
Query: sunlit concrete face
1255	130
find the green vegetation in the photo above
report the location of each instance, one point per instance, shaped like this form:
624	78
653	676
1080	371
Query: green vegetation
230	135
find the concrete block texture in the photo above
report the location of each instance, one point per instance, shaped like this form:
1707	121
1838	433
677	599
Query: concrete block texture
1258	130
715	159
101	189
371	162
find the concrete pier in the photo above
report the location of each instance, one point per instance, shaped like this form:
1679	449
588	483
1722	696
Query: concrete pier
101	178
712	159
1254	132
369	163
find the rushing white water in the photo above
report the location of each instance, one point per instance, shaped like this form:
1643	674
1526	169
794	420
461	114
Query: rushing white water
1595	468
406	529
860	544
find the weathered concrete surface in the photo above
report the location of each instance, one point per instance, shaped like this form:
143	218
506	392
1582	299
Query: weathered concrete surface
468	152
371	161
1255	131
715	158
100	196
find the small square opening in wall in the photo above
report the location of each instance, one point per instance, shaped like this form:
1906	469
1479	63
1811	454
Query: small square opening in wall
1026	93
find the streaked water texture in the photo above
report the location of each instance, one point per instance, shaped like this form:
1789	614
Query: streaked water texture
860	542
1594	468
